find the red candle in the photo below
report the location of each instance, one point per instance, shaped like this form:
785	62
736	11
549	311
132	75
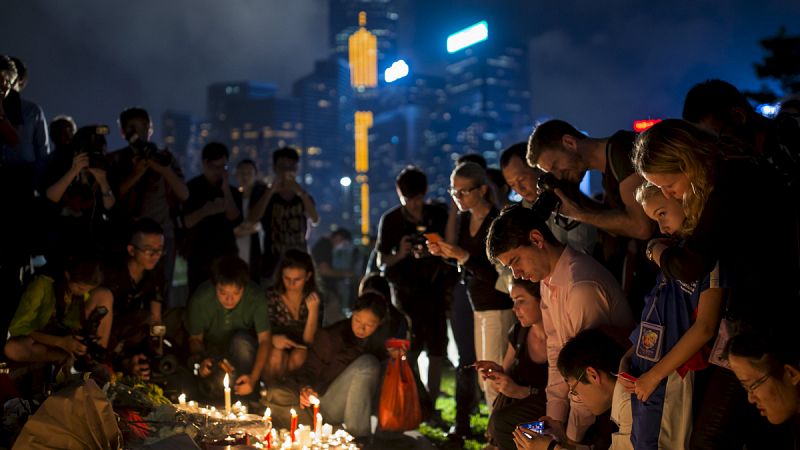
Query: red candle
315	404
293	428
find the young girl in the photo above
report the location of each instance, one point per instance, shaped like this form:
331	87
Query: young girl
678	321
293	312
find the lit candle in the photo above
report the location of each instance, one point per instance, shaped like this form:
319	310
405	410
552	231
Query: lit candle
293	428
225	383
318	424
182	399
327	429
315	404
237	407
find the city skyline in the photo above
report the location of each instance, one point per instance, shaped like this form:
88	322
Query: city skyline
600	66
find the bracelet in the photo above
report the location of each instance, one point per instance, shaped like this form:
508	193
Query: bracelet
108	193
552	445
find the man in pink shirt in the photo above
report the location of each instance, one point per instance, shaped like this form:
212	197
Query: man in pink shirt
578	293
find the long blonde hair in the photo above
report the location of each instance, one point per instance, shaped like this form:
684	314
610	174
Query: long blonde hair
675	146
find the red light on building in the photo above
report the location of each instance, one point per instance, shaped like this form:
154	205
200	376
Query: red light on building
641	125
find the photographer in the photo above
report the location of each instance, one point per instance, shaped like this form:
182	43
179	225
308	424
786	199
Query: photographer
148	181
137	289
418	279
523	179
46	325
80	195
285	211
559	148
211	215
227	317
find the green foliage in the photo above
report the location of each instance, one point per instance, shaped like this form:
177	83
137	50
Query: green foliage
446	405
780	66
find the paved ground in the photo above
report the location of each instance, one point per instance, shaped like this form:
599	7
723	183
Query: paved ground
396	441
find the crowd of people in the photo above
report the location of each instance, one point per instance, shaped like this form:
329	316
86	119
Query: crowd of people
657	315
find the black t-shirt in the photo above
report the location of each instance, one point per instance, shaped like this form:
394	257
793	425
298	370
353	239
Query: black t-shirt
481	273
130	296
150	196
414	281
213	236
285	225
524	371
748	225
619	166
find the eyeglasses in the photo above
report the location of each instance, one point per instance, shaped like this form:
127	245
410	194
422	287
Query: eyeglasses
576	397
461	192
755	384
150	251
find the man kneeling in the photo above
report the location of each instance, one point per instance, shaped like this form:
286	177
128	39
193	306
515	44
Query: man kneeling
48	323
227	318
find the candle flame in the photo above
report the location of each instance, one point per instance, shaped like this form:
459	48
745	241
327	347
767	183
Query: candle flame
313	400
293	412
182	398
267	413
225	381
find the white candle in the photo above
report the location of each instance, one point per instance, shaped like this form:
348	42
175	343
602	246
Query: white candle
327	429
318	423
225	383
182	399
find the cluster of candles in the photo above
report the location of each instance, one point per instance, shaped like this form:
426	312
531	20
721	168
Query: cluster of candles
318	436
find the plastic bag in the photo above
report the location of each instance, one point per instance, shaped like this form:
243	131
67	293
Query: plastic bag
399	408
76	418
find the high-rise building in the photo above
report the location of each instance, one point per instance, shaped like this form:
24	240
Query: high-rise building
185	136
411	125
327	114
252	120
382	21
488	98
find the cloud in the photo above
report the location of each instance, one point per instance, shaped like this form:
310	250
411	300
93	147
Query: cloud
94	57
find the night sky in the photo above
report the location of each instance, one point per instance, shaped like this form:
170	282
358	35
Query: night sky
598	64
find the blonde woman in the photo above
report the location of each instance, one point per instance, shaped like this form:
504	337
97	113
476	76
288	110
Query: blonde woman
736	213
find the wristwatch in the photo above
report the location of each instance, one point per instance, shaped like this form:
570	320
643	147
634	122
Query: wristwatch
648	252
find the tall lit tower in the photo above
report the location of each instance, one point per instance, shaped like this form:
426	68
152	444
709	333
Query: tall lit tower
363	59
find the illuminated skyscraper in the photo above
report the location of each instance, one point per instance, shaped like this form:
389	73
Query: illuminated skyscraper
382	21
488	98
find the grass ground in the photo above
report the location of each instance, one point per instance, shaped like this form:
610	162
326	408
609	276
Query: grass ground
446	404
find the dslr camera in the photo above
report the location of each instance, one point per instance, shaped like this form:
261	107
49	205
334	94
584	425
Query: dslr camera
147	150
92	141
549	203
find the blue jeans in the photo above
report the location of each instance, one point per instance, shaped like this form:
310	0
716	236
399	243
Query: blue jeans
348	400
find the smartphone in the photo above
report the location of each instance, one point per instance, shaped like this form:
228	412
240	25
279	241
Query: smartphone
433	237
536	426
627	376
